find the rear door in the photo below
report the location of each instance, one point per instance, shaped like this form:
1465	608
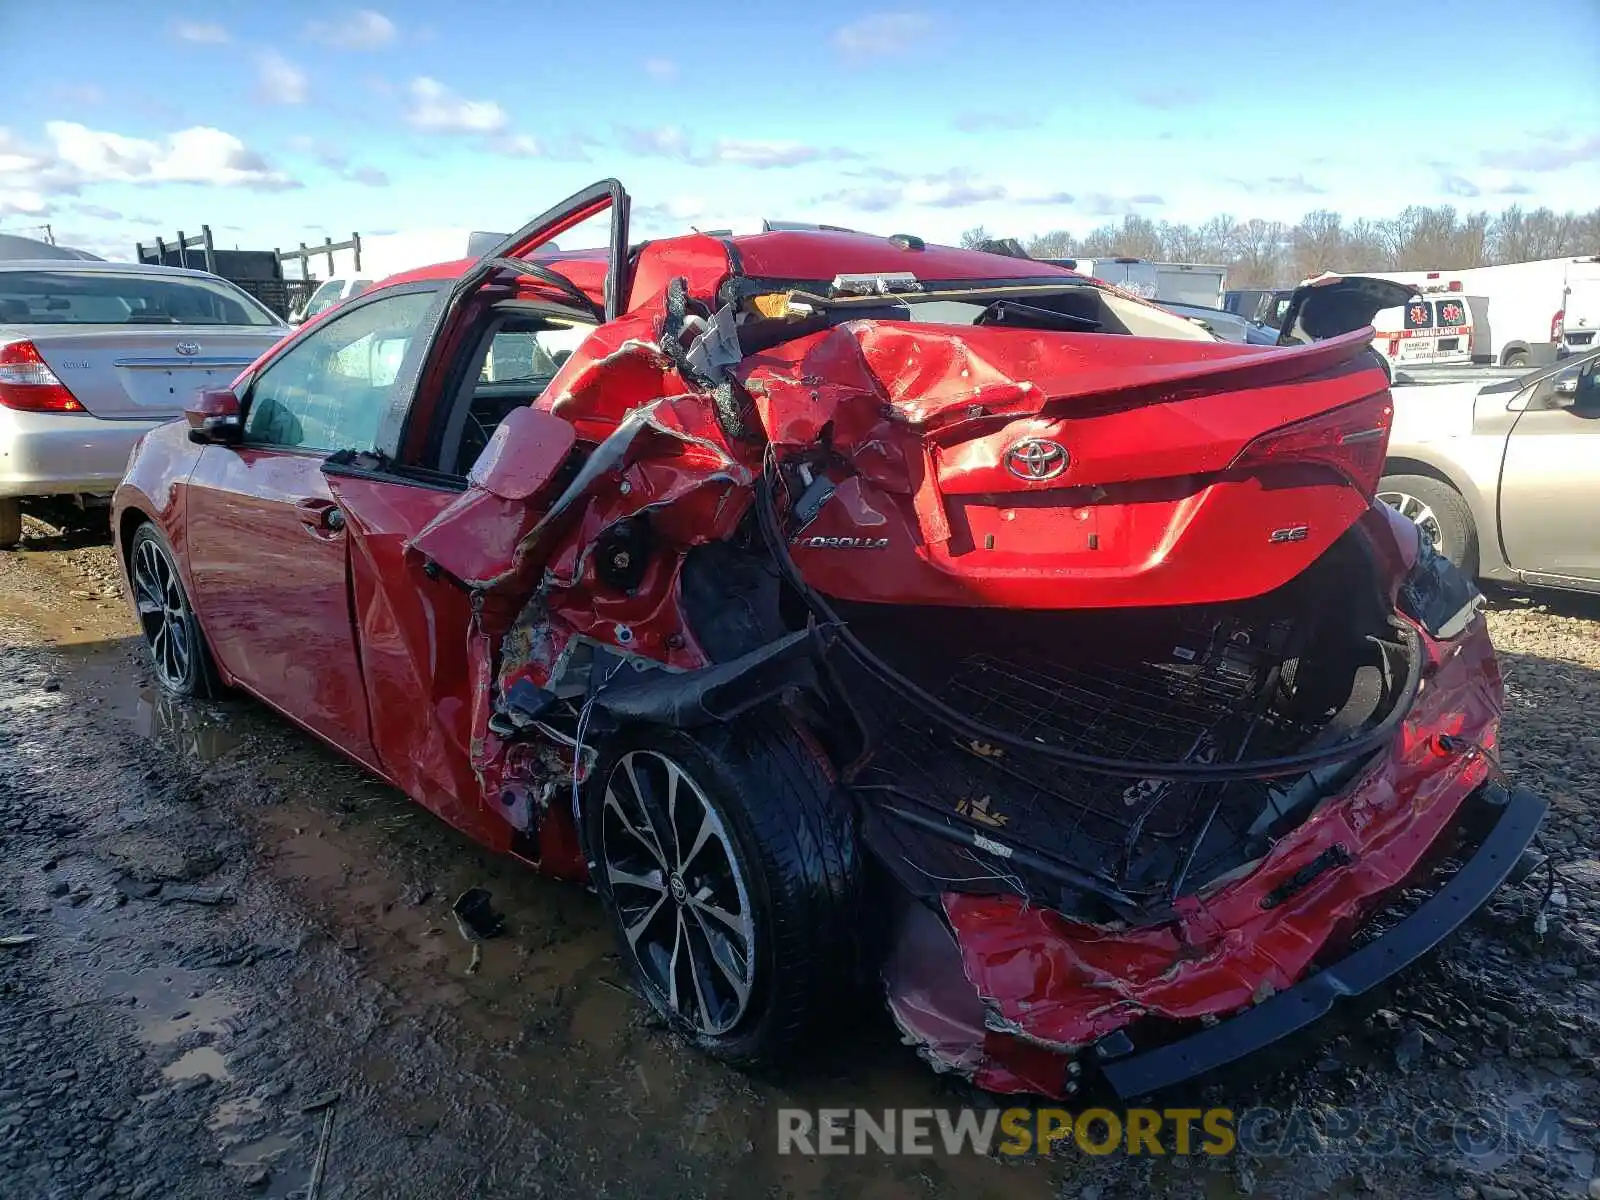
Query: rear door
428	644
267	539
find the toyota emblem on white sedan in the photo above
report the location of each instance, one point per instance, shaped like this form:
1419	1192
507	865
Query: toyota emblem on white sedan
188	349
1036	459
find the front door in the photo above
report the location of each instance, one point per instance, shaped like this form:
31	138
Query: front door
267	540
1550	482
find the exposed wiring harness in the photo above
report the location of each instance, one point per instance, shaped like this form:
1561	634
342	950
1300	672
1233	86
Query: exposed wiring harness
1369	740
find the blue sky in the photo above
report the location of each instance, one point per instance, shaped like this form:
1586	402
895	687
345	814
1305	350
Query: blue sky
281	123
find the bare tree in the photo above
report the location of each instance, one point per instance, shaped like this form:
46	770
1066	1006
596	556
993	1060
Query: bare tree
1317	244
1262	253
1259	253
1058	243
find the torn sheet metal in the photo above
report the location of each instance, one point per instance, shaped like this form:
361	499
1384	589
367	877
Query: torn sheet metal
1047	982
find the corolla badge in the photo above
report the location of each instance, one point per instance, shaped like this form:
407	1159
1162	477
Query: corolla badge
188	349
1036	459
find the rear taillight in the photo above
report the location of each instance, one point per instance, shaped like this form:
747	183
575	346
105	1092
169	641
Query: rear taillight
1558	324
27	383
1351	440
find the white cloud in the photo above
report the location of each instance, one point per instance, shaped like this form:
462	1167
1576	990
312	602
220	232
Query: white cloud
665	141
368	176
437	109
669	141
15	157
520	145
279	81
364	29
79	156
763	154
22	204
669	216
201	33
879	34
890	191
664	70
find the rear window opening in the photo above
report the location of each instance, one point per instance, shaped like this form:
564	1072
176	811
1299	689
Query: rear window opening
1067	307
111	298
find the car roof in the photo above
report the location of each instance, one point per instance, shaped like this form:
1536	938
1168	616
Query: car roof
73	266
790	256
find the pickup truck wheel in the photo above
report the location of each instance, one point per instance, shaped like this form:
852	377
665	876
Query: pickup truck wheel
10	523
1517	358
728	863
1441	514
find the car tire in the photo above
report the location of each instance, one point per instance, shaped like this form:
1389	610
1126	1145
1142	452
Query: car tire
179	656
778	860
10	523
1517	358
1441	513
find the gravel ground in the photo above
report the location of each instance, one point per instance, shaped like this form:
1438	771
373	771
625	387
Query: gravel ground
241	943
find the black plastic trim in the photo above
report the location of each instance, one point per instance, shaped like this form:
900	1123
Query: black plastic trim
1312	998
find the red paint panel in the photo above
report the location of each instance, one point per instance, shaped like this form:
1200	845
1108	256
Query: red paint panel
270	586
414	635
1066	984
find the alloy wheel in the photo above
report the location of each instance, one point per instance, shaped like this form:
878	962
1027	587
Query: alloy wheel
679	891
163	613
1418	513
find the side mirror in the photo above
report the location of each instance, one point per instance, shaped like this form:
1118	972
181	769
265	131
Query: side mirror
523	455
1580	390
216	418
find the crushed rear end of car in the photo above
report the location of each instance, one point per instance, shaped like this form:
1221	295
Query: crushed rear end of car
1144	708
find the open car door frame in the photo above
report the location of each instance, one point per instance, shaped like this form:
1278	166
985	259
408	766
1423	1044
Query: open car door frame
412	622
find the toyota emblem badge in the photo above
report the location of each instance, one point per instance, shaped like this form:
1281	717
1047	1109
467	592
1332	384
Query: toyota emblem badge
1036	459
188	349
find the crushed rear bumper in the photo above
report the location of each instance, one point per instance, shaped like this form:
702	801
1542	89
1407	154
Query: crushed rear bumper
969	1029
1133	1074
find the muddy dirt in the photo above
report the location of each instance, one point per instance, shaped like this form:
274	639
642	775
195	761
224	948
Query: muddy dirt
243	963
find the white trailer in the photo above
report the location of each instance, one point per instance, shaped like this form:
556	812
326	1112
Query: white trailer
382	255
1169	283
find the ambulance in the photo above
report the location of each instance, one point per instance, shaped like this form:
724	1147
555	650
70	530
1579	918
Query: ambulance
1437	327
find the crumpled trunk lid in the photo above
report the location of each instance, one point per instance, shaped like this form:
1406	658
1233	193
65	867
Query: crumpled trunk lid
1023	468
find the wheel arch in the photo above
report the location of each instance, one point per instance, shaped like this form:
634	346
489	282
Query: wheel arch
1490	560
127	520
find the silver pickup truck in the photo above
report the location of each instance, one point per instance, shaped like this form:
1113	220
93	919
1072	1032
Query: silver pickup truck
1502	470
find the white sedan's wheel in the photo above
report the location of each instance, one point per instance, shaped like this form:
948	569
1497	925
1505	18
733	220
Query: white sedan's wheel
1439	511
1419	514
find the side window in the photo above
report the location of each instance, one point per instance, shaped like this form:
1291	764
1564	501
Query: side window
522	355
330	391
326	296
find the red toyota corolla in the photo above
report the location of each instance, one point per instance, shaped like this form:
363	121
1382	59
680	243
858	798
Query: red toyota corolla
851	608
